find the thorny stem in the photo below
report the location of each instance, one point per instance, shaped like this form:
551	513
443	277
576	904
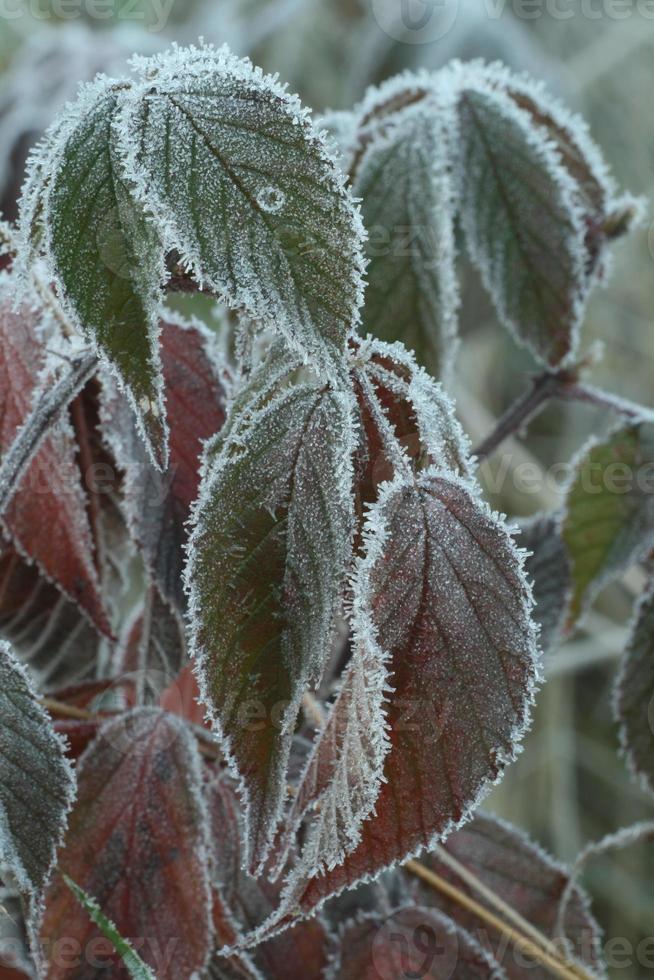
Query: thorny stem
560	384
553	961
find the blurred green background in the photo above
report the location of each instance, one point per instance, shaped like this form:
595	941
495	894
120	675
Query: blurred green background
569	785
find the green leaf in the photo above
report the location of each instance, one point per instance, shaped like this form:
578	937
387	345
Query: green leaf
266	566
521	221
105	256
608	521
634	693
247	194
408	207
37	785
133	962
548	566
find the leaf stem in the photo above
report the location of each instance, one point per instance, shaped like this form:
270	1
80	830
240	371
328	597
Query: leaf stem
67	710
558	966
563	384
543	387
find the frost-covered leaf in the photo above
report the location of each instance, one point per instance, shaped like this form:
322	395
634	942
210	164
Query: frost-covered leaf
634	693
521	217
158	503
605	215
443	592
47	630
549	568
156	641
411	941
242	903
136	844
246	192
37	785
46	519
400	402
15	961
609	511
267	559
408	205
104	255
342	778
525	878
136	968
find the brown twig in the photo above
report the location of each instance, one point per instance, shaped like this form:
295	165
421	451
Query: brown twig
543	388
562	384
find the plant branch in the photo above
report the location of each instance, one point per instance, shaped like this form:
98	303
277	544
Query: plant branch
562	384
543	388
552	960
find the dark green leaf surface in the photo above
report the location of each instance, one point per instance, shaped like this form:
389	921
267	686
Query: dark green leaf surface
609	513
267	561
37	785
634	700
245	191
107	256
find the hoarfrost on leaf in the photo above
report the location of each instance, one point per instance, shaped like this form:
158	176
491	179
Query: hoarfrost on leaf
442	589
266	566
244	189
409	206
37	784
103	253
46	519
139	817
523	877
634	693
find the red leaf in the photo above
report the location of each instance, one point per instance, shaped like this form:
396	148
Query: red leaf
398	400
47	518
48	631
523	876
159	503
244	902
409	942
182	697
78	734
443	591
136	843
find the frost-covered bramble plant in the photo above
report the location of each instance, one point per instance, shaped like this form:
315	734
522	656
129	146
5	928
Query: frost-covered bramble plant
254	690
